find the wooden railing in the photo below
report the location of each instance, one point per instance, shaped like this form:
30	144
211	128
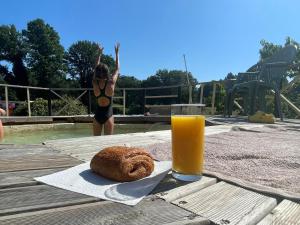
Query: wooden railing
84	91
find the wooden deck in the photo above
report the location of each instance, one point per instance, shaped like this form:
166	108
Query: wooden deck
208	201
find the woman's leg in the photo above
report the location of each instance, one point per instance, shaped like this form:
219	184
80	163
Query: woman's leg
97	128
109	126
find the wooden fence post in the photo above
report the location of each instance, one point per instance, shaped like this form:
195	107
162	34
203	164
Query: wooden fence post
179	95
201	93
124	101
28	102
190	94
144	100
90	103
213	99
49	103
6	101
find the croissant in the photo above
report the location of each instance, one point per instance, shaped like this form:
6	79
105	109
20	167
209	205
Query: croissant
122	163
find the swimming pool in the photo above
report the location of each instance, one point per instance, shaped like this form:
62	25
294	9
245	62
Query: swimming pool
38	133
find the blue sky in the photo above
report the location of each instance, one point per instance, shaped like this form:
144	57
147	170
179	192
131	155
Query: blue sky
217	36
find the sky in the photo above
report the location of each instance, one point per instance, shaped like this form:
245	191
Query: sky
217	36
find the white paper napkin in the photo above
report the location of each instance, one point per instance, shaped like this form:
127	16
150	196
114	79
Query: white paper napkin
82	180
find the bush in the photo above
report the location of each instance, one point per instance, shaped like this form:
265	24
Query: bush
61	108
39	107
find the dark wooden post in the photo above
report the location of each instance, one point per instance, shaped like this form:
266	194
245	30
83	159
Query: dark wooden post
144	96
90	102
179	95
49	103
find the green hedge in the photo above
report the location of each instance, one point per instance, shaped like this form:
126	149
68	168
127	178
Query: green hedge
40	107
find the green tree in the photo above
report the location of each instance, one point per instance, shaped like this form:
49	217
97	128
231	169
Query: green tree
230	76
13	50
268	49
134	98
128	82
290	90
45	57
81	58
167	78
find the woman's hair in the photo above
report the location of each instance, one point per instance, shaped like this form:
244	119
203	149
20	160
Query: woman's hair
102	71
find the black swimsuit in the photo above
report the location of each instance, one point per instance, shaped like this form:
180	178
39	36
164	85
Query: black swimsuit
103	113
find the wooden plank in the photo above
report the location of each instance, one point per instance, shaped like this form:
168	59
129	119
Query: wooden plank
23	178
161	96
194	221
24	199
84	148
223	203
286	213
20	158
124	101
150	211
158	106
34	162
175	189
262	189
28	102
26	119
201	93
213	99
6	101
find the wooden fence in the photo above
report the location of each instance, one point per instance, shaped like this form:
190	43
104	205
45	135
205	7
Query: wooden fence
89	91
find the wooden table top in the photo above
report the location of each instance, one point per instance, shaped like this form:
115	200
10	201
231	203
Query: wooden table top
210	200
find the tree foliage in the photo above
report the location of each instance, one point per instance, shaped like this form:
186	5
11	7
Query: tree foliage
13	50
45	57
81	58
166	78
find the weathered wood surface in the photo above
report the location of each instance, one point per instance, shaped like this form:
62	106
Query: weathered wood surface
26	119
37	197
223	203
84	148
268	191
23	201
286	213
182	189
34	157
24	178
149	211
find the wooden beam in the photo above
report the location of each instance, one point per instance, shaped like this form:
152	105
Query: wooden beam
162	96
6	101
28	102
124	101
213	99
224	203
295	108
157	106
19	86
190	94
201	93
118	97
68	103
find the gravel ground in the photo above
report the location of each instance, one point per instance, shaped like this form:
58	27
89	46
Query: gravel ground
268	156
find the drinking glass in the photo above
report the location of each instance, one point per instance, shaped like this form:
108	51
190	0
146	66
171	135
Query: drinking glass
187	141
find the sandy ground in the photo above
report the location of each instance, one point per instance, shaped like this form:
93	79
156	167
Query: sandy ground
268	156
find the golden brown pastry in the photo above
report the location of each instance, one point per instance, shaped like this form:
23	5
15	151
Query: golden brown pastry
122	163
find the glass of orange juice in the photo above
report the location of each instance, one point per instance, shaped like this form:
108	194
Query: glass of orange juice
187	141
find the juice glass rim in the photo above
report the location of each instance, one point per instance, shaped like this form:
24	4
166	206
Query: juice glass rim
187	115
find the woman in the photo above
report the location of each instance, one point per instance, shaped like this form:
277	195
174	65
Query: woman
104	86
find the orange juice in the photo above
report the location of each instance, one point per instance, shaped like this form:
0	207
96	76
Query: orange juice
188	144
